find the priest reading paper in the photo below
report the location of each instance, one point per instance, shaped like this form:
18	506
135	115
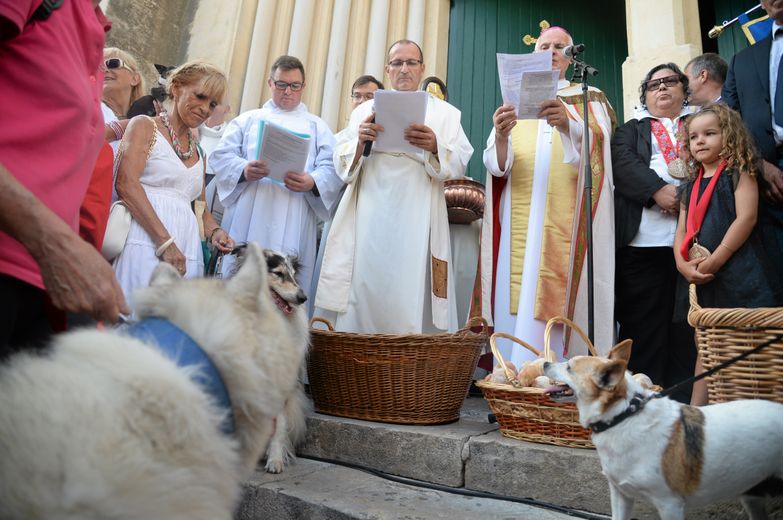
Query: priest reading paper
278	215
387	263
533	243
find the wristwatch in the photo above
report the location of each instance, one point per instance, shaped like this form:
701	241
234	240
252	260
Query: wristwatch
315	191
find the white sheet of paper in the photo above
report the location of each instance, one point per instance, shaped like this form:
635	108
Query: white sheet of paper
510	70
396	111
283	151
536	88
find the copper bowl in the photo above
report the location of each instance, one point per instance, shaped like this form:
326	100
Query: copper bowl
464	200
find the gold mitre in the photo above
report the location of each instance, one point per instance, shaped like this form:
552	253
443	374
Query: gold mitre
529	40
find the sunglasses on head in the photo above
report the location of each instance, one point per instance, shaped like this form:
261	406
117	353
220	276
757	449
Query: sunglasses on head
115	63
655	84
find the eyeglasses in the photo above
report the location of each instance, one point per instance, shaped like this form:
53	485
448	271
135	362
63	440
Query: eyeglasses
397	64
282	85
655	84
115	63
356	96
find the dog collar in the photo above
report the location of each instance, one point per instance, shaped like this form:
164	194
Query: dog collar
635	406
175	344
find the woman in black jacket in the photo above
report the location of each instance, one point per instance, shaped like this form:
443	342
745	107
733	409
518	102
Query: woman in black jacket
647	172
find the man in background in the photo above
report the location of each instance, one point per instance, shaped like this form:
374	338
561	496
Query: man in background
706	75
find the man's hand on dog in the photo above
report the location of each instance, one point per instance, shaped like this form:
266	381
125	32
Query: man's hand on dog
255	171
78	279
299	181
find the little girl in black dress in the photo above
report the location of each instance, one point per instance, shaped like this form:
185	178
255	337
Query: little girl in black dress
716	245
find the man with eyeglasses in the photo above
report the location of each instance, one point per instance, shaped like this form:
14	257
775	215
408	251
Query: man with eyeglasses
754	87
283	217
533	244
47	153
363	89
387	264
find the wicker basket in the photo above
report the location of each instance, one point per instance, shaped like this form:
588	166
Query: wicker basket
527	413
392	378
724	333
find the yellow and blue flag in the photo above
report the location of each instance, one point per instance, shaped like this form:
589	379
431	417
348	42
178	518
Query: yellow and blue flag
756	29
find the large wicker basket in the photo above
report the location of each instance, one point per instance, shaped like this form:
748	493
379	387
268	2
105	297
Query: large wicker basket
724	333
527	413
406	379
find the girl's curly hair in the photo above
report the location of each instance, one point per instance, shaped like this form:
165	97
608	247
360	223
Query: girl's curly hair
737	144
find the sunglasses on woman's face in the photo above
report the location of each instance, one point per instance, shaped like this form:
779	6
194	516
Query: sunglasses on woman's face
115	63
655	84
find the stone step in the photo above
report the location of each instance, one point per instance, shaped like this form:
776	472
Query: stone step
316	490
470	454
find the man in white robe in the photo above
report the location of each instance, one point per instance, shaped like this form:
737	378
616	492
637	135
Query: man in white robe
387	264
533	246
282	217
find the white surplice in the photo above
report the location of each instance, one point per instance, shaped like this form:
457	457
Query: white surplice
265	211
523	324
376	272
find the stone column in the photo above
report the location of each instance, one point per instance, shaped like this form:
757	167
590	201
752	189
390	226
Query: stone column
335	65
658	32
415	29
375	58
255	74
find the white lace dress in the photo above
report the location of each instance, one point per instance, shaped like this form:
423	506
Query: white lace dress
170	187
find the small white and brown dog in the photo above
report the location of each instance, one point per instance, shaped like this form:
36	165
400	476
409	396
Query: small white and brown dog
675	456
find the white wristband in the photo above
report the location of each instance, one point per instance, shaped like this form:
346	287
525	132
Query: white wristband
165	245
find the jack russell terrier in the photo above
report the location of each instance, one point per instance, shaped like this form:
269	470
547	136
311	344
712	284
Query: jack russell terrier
676	456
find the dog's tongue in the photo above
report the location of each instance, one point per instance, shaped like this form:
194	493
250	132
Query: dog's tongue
281	303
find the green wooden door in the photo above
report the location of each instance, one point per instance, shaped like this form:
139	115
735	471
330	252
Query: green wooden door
478	29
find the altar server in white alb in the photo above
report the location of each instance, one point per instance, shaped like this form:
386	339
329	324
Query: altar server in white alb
533	243
387	264
278	216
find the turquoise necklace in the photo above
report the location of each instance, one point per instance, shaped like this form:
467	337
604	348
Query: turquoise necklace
184	155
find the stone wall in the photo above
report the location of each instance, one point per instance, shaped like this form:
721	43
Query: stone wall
154	31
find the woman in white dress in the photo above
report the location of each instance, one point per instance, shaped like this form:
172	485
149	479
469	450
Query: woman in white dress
160	171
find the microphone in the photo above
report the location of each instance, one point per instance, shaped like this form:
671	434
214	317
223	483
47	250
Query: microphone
368	144
572	50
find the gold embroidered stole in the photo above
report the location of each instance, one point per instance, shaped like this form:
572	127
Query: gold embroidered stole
553	270
597	175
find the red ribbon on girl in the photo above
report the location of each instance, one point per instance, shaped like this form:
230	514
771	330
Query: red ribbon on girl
697	208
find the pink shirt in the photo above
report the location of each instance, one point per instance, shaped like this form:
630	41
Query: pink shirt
51	126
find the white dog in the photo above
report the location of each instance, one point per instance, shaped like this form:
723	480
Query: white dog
108	426
673	455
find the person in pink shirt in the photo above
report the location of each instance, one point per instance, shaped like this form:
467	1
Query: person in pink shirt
51	130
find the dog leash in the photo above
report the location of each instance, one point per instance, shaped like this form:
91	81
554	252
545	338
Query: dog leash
719	366
638	401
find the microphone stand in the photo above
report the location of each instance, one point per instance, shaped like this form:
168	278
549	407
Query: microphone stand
581	72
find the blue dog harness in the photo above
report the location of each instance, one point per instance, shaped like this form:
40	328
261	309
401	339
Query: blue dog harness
176	345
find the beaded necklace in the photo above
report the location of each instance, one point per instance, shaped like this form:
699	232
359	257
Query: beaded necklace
164	116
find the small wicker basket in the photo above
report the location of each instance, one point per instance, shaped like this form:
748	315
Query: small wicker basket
393	378
722	334
527	413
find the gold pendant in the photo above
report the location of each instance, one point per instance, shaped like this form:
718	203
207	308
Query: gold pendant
678	169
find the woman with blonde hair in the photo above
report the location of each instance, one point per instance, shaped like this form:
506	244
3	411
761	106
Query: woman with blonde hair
160	171
122	83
